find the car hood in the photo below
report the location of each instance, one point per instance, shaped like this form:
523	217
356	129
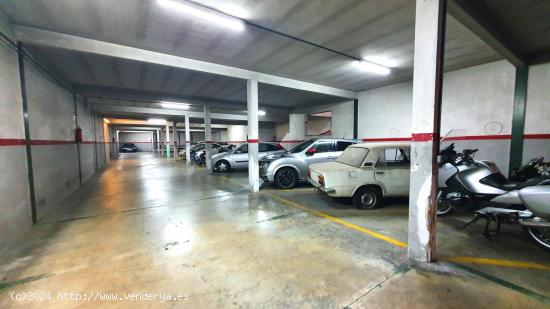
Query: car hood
272	156
220	155
328	167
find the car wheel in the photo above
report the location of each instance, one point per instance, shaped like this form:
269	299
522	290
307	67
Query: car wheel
367	198
222	166
443	206
286	178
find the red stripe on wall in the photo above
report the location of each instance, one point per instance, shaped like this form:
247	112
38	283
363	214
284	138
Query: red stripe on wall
536	136
428	136
12	141
40	142
388	139
478	137
253	140
423	137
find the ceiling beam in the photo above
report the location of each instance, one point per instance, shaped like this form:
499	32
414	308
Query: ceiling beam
104	92
64	41
482	23
115	109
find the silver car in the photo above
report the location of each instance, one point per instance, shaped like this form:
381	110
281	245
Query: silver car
237	158
286	170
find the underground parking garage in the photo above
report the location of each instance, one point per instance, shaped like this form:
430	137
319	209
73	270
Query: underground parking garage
303	154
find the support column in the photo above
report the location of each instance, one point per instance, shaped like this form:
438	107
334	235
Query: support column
77	142
159	149
174	142
117	144
355	118
252	139
187	141
167	145
518	118
426	117
208	137
28	147
153	142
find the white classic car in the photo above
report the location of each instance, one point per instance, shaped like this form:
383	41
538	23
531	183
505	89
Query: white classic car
367	172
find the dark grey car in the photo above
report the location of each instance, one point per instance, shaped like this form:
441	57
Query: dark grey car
288	169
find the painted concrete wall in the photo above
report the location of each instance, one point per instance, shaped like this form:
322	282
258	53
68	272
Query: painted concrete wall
52	133
143	140
477	105
238	133
15	214
316	126
342	117
537	124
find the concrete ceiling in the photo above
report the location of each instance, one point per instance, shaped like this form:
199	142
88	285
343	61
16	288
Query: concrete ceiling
96	75
526	22
381	31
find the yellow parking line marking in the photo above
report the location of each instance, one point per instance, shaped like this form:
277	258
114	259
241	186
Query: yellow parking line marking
454	259
347	224
296	190
495	262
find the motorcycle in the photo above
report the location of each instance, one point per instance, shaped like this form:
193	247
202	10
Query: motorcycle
534	220
536	167
467	184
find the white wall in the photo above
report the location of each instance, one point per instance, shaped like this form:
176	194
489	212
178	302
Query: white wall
143	140
477	105
537	124
55	159
341	122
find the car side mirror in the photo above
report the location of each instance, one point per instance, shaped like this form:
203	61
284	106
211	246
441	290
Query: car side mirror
311	151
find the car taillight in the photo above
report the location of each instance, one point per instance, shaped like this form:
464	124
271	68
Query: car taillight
321	180
279	146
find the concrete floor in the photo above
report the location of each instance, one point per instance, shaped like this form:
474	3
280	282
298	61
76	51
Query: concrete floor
152	225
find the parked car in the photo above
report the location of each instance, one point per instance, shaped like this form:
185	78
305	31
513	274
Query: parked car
286	170
197	150
366	172
128	147
237	158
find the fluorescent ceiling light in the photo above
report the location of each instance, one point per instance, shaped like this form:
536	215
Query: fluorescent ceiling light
233	10
174	105
383	61
156	121
372	67
260	112
203	13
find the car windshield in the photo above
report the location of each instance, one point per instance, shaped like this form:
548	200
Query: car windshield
353	156
301	147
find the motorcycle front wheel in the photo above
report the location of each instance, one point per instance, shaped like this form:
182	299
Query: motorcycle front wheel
540	235
443	206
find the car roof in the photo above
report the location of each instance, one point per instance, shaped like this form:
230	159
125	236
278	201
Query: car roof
382	144
335	139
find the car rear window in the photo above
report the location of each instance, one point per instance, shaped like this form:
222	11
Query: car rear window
353	156
341	146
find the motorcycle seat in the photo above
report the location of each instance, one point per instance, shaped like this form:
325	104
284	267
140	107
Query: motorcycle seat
537	181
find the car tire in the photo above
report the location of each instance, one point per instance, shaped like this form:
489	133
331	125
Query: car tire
286	178
367	198
222	166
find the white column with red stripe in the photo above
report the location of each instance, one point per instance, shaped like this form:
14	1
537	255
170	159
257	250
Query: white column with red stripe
187	141
175	148
208	137
426	115
253	150
167	146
